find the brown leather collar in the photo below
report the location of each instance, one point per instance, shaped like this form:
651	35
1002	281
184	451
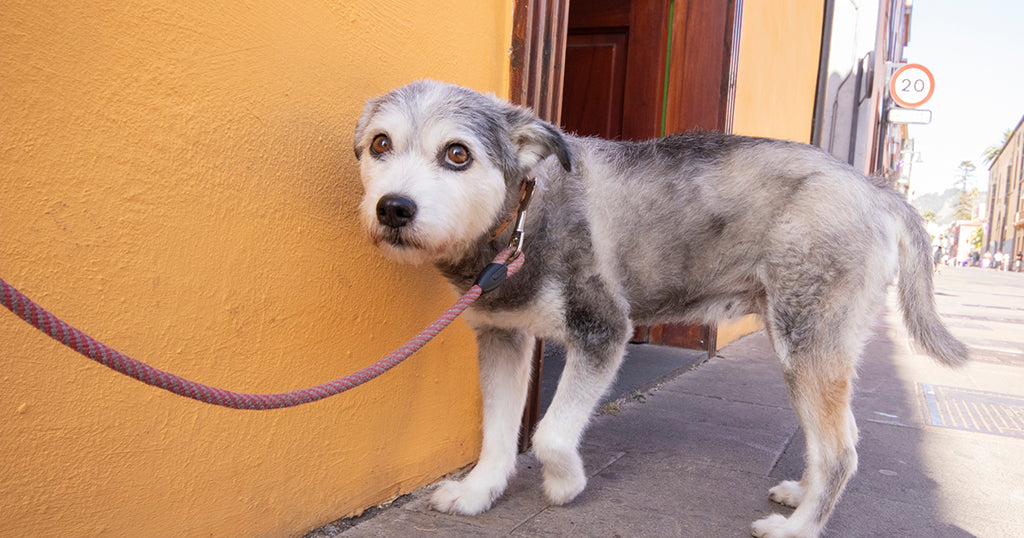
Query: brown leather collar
525	193
519	217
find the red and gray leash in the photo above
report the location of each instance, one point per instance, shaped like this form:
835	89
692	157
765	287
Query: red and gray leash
505	264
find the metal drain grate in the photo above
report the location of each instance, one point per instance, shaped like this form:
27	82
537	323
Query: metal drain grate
973	410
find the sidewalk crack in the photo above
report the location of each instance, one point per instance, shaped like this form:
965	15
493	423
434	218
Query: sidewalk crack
785	447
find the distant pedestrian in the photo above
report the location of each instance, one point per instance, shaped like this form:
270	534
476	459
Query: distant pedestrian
1017	264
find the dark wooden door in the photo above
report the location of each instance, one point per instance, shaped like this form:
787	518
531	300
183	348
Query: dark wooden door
639	69
614	68
599	73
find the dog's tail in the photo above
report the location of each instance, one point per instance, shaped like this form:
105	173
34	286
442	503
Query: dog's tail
916	291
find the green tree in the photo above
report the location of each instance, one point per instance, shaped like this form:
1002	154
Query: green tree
976	239
965	208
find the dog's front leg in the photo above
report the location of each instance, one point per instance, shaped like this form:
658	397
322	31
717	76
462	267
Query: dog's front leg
593	356
504	375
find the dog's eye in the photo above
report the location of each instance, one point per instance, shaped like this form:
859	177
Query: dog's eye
381	144
457	155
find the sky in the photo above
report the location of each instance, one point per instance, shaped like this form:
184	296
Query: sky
975	51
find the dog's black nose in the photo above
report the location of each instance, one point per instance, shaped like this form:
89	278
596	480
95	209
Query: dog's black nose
395	211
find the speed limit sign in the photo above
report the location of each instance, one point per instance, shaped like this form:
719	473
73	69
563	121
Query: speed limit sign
911	85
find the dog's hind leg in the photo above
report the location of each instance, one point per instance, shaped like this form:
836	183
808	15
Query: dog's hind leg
818	348
819	318
821	397
594	351
504	375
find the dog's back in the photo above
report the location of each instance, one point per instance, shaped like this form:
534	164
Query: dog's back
698	226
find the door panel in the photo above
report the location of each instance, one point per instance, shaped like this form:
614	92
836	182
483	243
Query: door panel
624	42
599	72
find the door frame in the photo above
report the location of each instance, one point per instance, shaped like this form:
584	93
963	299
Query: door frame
536	68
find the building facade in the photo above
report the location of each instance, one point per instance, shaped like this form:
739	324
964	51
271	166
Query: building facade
863	46
1005	231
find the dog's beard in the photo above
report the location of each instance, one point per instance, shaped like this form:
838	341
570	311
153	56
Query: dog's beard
397	238
402	246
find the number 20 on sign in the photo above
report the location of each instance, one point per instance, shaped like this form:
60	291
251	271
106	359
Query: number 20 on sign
911	85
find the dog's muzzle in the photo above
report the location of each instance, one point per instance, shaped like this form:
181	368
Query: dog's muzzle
395	211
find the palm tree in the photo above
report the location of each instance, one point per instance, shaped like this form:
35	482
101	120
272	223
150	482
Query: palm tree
991	152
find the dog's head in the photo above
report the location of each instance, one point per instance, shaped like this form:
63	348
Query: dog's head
441	165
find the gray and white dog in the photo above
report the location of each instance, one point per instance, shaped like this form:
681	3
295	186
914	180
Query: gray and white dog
695	227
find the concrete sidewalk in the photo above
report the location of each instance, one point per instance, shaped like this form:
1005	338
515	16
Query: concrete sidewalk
941	451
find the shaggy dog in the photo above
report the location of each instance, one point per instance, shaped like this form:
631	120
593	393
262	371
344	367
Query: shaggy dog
696	227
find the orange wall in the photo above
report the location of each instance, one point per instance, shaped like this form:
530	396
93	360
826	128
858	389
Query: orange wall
780	42
177	180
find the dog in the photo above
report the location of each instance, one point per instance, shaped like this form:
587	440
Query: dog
695	227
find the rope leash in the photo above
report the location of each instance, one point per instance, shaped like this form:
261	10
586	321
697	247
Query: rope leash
505	264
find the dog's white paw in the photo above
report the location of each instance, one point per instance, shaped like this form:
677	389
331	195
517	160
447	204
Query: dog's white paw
564	477
461	498
773	526
779	526
788	492
561	488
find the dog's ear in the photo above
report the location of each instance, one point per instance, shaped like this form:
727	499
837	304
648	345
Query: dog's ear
535	139
368	111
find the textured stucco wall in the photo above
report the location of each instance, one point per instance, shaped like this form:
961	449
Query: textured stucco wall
177	180
780	42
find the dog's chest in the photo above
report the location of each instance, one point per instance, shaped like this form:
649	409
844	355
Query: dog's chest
543	317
